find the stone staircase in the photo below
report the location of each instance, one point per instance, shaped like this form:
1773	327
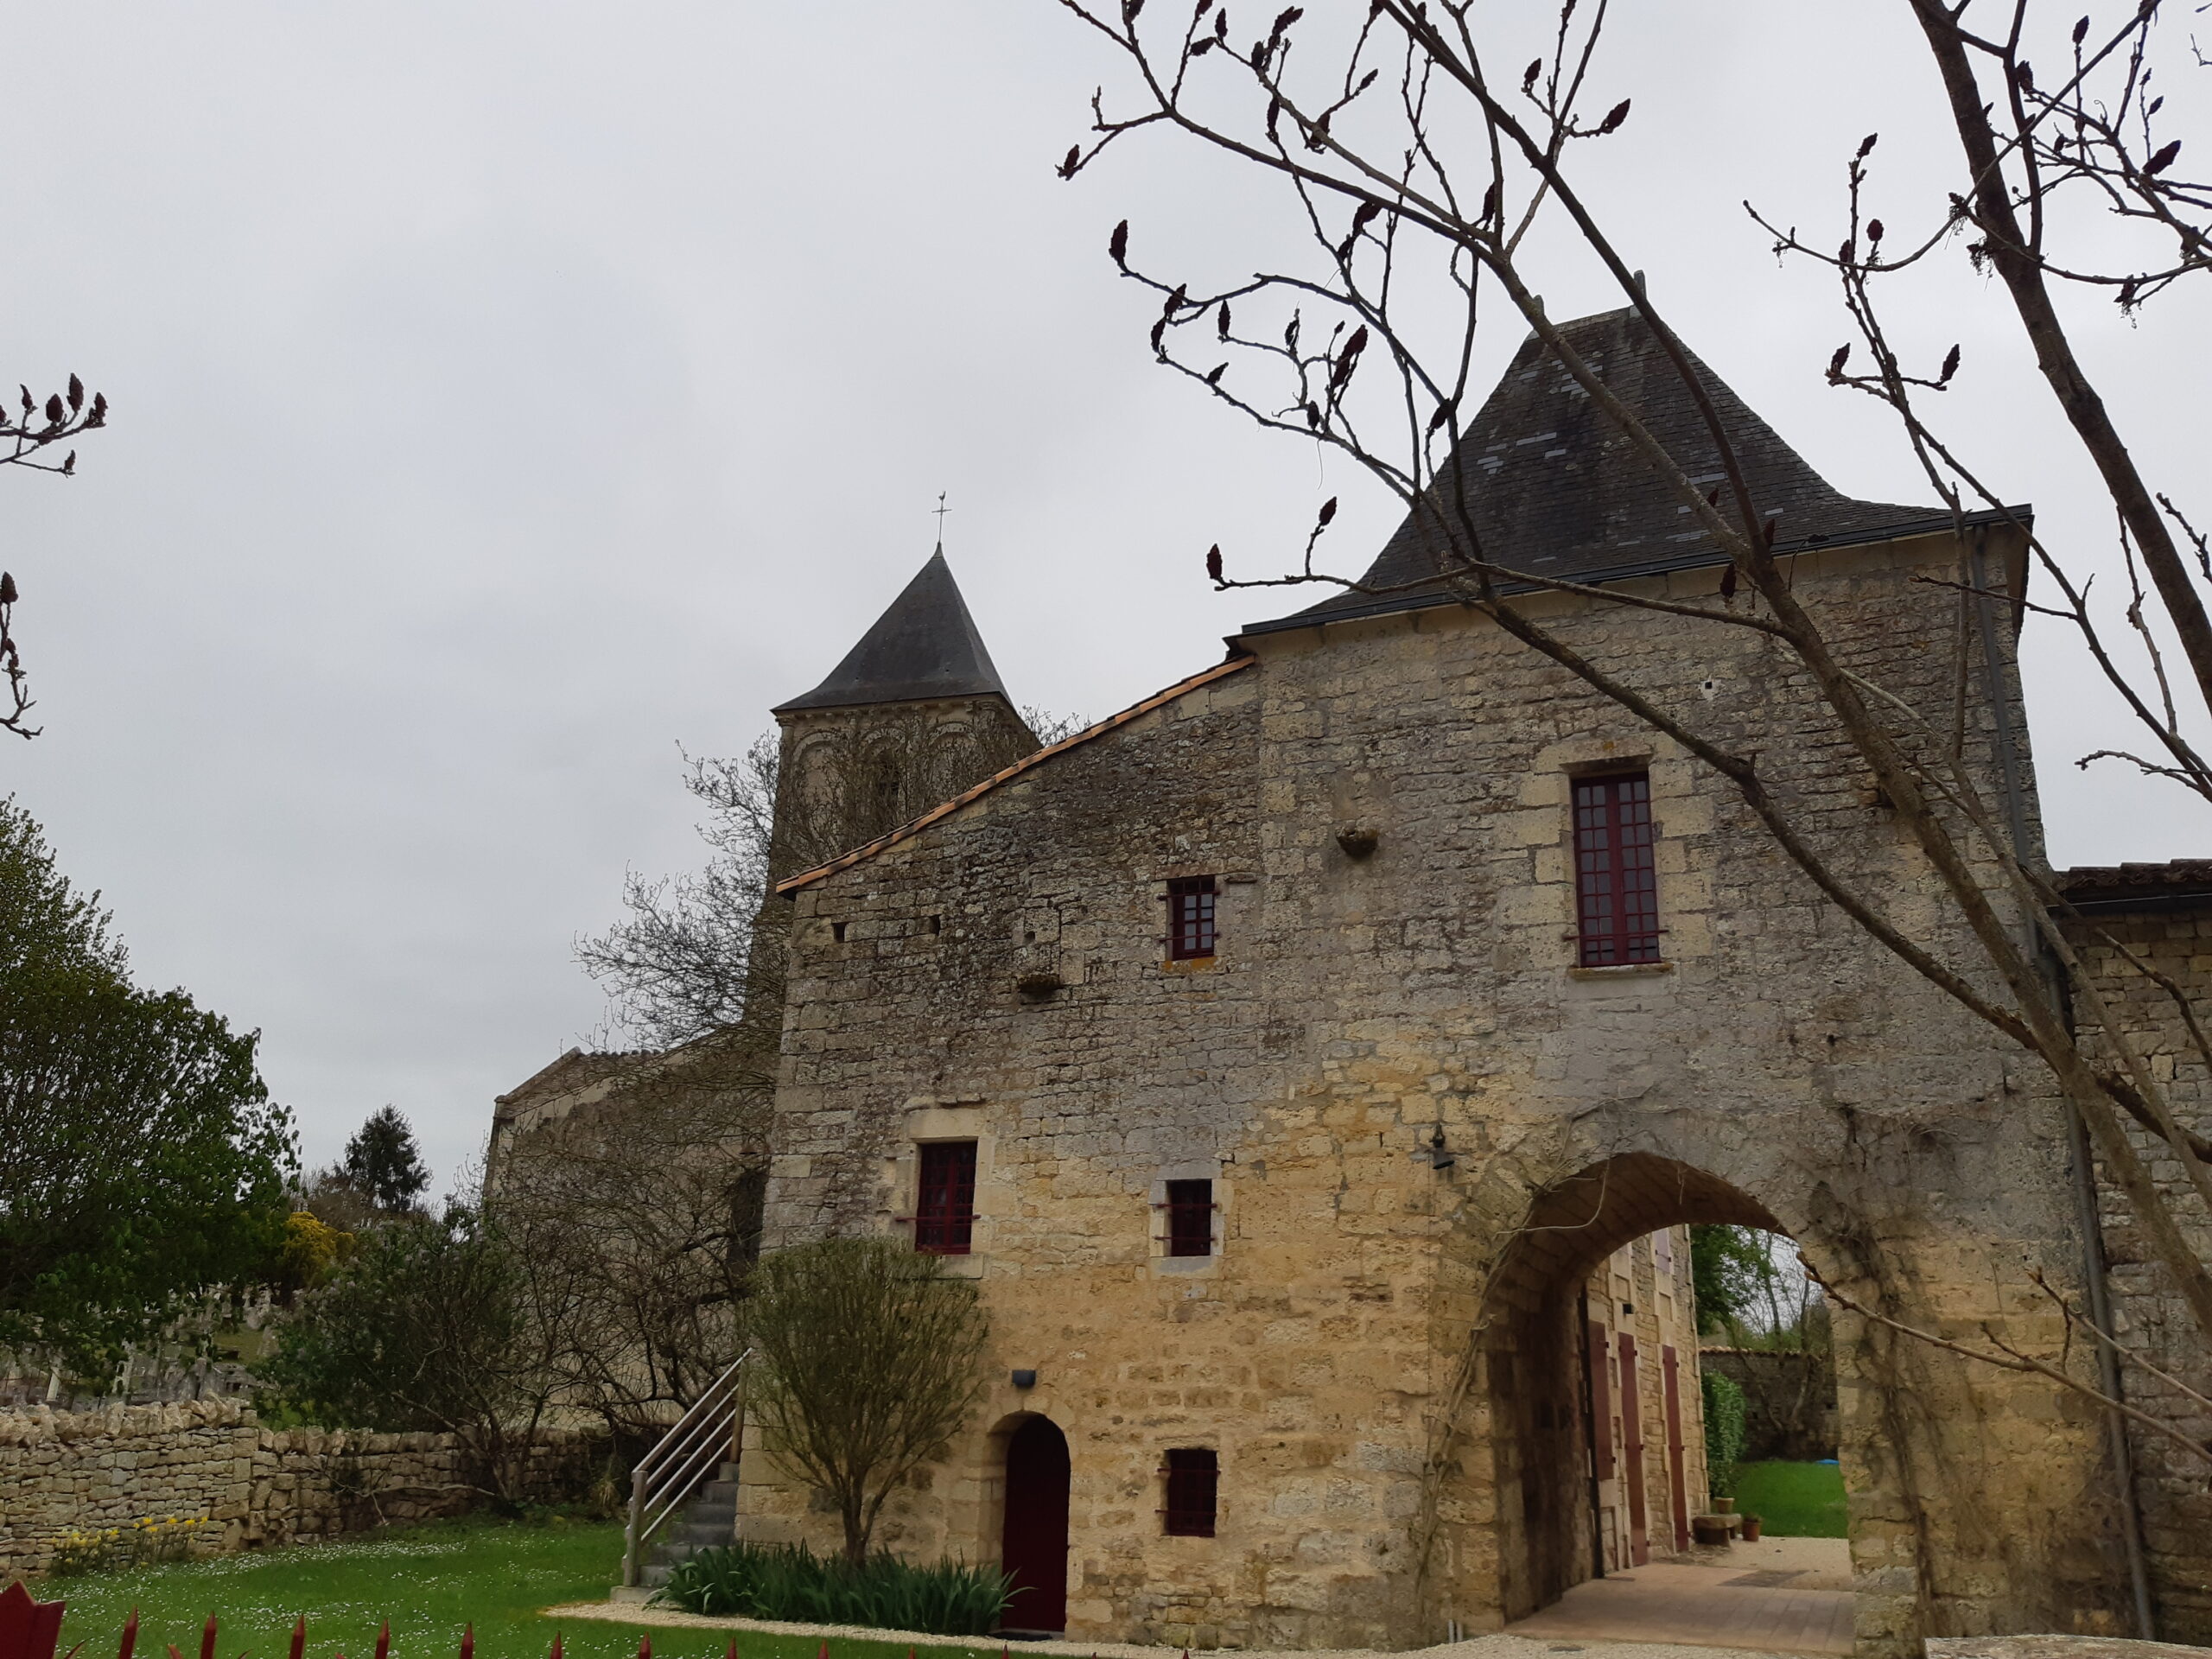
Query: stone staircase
709	1518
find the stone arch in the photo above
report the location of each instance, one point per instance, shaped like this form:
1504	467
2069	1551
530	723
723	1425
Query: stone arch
1526	1432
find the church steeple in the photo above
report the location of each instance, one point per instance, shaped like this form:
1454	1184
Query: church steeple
924	646
914	714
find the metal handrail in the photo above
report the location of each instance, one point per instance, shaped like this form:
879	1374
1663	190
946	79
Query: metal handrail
666	1476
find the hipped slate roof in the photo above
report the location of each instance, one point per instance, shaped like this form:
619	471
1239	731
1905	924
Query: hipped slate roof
925	645
1555	489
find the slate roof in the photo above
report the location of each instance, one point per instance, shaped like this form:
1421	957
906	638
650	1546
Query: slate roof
1557	491
924	646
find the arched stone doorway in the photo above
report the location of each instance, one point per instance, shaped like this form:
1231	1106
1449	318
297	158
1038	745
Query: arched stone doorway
1565	1486
1034	1544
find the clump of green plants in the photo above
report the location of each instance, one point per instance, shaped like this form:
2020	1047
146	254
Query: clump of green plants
790	1582
145	1542
1724	1431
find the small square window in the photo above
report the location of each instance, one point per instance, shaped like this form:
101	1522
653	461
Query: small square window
1189	1217
1190	918
1193	1477
945	1213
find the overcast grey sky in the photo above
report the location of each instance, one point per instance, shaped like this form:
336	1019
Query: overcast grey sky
506	393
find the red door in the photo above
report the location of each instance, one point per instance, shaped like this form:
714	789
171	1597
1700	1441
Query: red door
1669	1367
1639	1532
1035	1546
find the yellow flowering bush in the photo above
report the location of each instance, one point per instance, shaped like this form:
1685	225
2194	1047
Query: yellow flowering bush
84	1552
142	1543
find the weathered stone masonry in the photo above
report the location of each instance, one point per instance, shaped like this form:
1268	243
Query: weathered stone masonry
1434	1136
65	1471
1778	1070
2163	914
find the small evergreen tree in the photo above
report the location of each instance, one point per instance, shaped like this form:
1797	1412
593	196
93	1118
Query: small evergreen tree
384	1164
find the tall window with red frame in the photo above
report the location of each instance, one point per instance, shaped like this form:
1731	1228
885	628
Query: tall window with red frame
1193	1480
1615	888
1189	1217
1190	918
944	1218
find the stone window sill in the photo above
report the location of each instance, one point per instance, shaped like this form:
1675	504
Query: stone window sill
1621	970
1183	1266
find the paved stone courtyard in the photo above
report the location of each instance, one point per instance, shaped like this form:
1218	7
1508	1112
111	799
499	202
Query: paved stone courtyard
1786	1595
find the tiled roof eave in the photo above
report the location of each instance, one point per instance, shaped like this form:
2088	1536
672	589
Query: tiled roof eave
906	832
2180	883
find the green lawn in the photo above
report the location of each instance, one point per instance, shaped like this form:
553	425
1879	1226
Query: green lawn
1796	1500
427	1580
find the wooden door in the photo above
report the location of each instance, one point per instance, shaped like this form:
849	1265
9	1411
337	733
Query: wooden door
1678	1490
1034	1545
1601	1403
1639	1533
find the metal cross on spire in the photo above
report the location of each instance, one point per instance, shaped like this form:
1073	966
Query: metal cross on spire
940	510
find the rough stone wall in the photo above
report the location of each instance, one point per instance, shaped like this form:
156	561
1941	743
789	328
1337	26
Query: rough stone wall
1789	1401
65	1471
1384	1331
2173	1494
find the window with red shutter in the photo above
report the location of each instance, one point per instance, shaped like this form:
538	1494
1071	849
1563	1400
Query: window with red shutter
945	1213
1189	1217
1193	1477
1190	918
1617	889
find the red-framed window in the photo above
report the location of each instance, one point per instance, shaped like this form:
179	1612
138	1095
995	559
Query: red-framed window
1189	1217
1617	890
1190	918
1193	1479
945	1213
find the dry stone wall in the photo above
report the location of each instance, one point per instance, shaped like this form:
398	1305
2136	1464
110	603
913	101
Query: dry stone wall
65	1471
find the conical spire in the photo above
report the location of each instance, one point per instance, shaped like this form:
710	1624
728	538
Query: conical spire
924	646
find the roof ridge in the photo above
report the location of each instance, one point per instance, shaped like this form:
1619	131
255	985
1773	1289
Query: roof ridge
915	826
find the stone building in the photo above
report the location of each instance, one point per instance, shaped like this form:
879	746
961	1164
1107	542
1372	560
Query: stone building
1297	1057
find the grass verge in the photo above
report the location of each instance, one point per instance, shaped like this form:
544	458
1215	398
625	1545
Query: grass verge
1796	1500
428	1581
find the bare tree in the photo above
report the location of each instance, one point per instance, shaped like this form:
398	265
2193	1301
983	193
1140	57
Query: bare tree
643	1216
692	957
646	1208
871	1361
1418	175
28	437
